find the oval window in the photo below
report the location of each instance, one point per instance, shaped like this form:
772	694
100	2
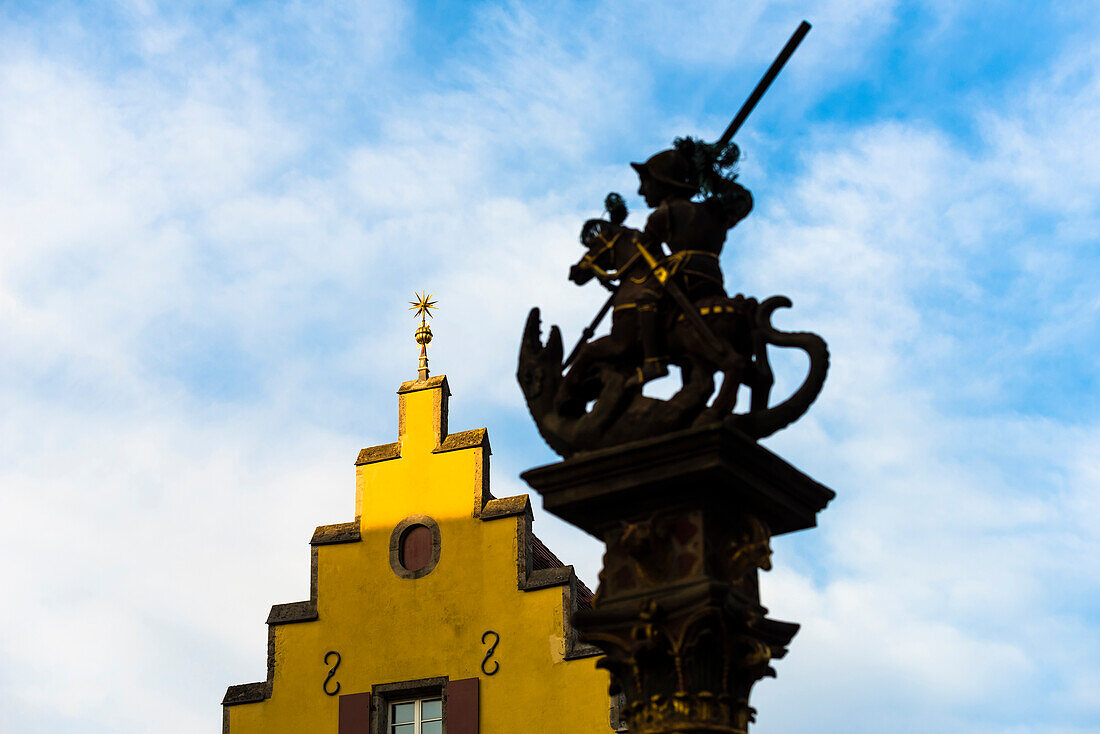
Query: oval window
416	548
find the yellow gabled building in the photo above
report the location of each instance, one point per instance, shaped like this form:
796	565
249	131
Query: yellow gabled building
435	610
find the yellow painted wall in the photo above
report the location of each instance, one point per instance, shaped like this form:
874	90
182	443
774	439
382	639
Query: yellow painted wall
388	629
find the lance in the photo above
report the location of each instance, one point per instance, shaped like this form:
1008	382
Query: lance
764	83
590	330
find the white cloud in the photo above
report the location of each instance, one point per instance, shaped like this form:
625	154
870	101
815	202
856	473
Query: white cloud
152	229
955	543
709	35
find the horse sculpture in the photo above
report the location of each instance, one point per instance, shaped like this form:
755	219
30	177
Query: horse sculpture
598	402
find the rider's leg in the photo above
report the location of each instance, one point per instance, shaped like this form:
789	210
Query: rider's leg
655	362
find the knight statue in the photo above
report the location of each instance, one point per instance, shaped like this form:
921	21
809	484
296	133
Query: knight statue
660	462
693	231
669	308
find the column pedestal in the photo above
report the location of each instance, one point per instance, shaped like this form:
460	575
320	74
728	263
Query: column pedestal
686	519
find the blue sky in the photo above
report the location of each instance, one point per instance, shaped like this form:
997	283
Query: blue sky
212	216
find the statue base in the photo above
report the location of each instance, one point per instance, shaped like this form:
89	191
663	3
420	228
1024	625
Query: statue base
686	519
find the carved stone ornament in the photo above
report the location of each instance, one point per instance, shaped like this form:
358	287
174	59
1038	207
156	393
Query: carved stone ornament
687	521
691	655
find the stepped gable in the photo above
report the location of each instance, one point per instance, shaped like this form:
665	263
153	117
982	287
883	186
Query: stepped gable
433	478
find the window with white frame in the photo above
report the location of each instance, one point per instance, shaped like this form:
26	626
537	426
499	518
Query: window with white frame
420	716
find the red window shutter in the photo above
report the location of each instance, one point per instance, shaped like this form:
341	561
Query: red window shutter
355	713
462	703
416	548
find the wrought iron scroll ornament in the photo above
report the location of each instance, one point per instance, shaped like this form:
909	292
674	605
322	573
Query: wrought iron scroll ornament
489	653
669	308
331	673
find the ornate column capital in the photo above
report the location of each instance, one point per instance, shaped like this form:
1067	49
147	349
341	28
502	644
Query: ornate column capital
687	521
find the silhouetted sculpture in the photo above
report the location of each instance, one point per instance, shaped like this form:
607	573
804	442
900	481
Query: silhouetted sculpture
684	498
668	308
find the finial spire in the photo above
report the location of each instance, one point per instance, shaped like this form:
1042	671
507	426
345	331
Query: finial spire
423	305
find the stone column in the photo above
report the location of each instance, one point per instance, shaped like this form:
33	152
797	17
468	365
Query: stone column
686	520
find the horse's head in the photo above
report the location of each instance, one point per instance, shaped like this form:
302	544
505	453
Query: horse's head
601	238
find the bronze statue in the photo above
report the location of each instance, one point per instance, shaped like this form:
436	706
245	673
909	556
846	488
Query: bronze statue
681	493
669	307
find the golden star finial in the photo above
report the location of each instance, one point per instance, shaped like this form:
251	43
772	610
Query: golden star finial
423	305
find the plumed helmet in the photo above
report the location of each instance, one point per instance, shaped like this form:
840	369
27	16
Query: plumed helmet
670	167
